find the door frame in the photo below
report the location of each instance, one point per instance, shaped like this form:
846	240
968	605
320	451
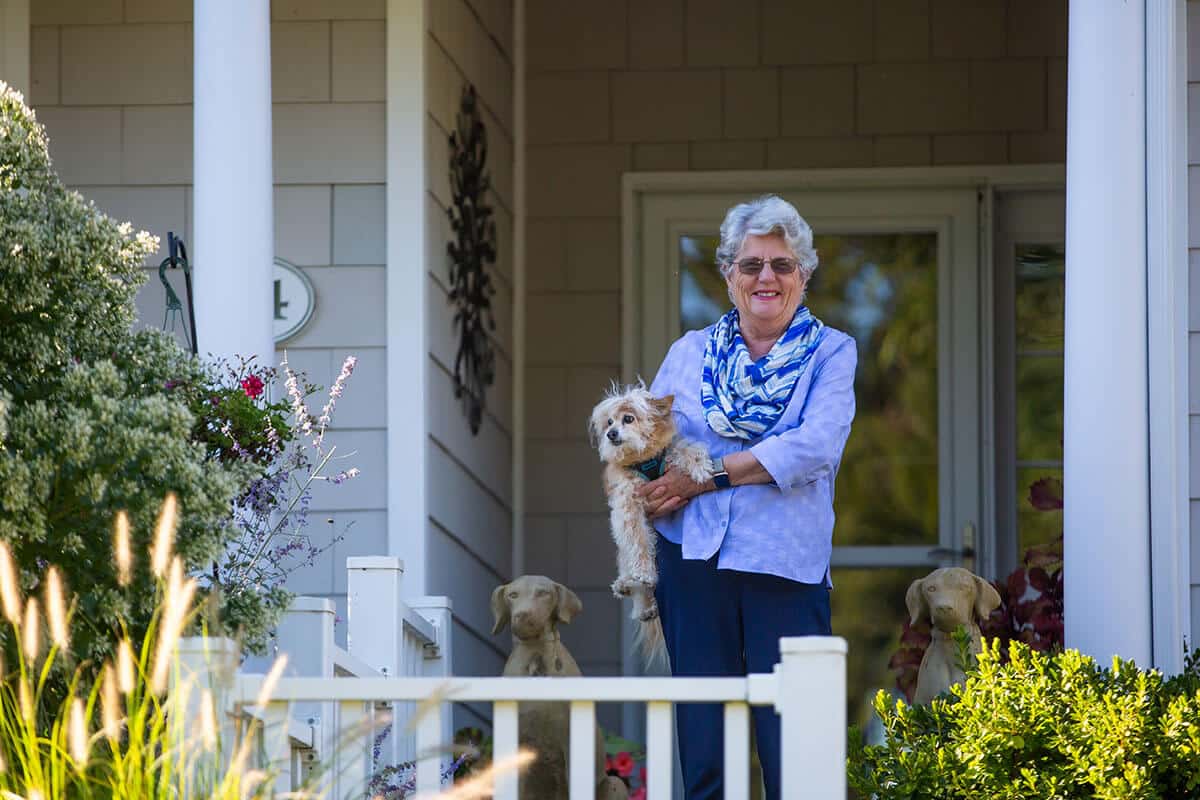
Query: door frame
953	216
637	186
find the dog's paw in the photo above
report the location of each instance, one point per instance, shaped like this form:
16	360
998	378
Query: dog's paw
623	587
645	581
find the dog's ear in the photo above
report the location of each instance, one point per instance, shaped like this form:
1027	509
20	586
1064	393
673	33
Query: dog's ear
914	598
663	404
987	599
500	608
568	604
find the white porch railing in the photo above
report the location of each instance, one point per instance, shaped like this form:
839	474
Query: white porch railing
388	637
807	689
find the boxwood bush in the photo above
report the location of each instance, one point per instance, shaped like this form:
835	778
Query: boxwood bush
1040	725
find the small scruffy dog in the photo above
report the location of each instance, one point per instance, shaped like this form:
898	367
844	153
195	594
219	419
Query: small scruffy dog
635	434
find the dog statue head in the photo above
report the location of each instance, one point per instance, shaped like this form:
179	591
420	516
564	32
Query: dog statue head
950	597
631	425
533	605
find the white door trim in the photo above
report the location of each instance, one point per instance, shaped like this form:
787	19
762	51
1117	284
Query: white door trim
407	259
1167	329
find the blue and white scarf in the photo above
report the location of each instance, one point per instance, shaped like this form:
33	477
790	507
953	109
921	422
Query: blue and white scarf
743	398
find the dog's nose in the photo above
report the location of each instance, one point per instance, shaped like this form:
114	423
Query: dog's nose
612	434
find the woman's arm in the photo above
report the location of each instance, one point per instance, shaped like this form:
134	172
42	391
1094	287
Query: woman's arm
791	458
802	454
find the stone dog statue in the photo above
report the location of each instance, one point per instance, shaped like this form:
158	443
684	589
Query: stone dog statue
949	597
534	606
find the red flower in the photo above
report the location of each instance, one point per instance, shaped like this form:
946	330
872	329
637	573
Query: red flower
623	764
642	775
608	765
252	386
638	793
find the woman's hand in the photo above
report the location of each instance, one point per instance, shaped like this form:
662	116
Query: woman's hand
668	494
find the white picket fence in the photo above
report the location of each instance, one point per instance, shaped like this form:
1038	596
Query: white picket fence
322	722
388	637
807	689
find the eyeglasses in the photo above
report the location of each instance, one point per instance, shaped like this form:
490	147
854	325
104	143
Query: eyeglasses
780	266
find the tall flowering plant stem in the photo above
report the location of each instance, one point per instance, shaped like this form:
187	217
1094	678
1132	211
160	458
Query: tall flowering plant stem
122	736
286	447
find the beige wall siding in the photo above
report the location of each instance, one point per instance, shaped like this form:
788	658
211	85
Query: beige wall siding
112	82
1193	100
717	84
470	477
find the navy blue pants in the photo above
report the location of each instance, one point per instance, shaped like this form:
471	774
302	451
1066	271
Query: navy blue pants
720	623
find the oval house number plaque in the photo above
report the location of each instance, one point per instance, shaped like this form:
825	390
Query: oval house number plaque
294	300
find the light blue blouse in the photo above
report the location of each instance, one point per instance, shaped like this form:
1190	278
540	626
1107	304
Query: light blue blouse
785	529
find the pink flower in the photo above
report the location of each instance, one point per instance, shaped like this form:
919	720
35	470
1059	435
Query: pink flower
638	793
608	764
252	386
623	764
642	776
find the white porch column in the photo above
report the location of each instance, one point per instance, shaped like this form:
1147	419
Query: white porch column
233	245
14	45
1106	447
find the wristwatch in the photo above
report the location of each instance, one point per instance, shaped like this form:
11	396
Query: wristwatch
720	477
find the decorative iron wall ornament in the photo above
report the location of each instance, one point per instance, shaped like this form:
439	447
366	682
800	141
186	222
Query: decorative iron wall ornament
472	254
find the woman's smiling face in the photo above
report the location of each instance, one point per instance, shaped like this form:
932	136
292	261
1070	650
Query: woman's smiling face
766	301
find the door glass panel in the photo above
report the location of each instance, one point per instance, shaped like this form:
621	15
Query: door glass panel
882	289
1039	407
1040	285
1040	296
869	611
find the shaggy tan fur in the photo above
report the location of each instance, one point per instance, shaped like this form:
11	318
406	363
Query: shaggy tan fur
630	426
950	598
534	606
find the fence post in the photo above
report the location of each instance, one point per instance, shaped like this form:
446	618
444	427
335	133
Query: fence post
375	635
439	664
206	663
811	701
305	634
375	622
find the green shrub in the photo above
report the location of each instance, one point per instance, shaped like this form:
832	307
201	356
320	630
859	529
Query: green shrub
1040	725
88	425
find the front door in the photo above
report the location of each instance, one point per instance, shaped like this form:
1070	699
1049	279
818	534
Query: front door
899	271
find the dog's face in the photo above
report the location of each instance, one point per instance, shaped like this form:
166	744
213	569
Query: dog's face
533	605
950	597
631	425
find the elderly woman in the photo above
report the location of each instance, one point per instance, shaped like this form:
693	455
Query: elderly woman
744	558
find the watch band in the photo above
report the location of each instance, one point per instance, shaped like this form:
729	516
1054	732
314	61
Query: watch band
720	477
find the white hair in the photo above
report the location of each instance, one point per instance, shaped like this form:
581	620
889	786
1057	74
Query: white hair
765	216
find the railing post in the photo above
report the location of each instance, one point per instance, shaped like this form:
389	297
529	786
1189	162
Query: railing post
210	663
375	621
811	700
375	632
305	634
439	663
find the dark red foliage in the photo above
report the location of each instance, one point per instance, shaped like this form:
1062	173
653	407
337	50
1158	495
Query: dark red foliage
1046	494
